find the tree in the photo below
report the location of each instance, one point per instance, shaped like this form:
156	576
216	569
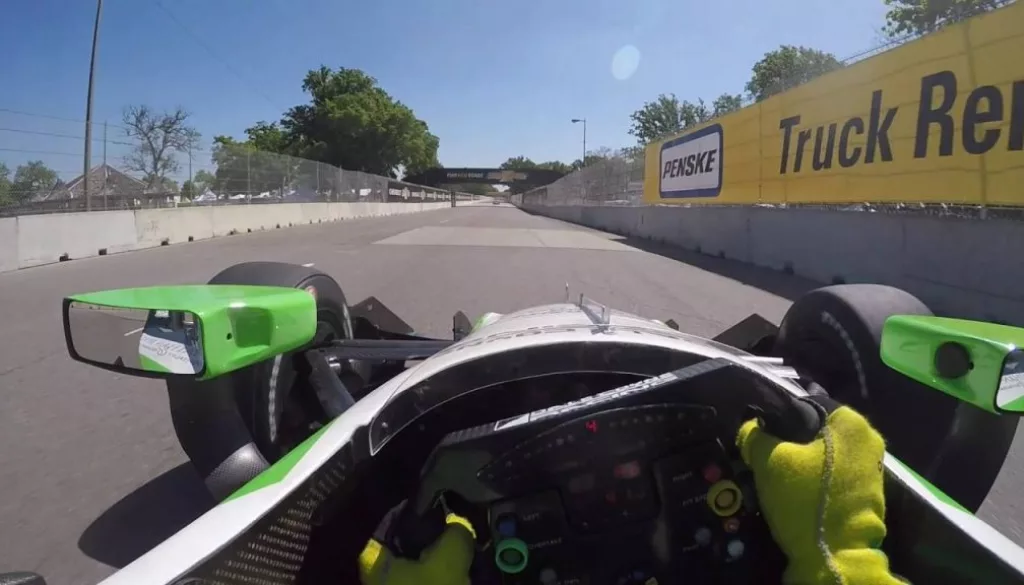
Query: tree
202	181
31	179
726	103
351	123
165	185
518	163
555	165
5	185
918	17
188	190
666	115
160	136
786	68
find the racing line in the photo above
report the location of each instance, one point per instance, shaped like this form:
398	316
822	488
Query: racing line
92	473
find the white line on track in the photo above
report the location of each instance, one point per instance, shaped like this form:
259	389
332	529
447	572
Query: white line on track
134	331
310	265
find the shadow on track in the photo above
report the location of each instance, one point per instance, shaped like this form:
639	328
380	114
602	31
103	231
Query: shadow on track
778	283
146	517
787	286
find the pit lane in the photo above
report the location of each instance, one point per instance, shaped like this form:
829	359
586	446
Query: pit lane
91	472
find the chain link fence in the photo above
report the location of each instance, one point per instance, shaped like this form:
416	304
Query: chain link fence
618	181
234	175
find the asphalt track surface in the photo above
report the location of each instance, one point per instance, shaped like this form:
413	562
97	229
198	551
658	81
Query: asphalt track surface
92	476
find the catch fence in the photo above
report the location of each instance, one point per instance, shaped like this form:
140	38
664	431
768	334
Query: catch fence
234	176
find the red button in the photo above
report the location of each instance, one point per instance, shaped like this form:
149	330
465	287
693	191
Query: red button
712	473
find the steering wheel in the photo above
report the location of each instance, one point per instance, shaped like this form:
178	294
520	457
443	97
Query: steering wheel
639	484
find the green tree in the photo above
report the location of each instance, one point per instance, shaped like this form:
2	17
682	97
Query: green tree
518	163
188	190
555	165
354	124
202	181
32	179
5	185
918	17
726	103
786	68
666	115
159	135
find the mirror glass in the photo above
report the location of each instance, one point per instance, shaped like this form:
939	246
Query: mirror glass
136	340
1010	396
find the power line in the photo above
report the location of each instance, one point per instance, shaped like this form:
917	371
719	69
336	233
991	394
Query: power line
202	43
58	135
54	152
49	117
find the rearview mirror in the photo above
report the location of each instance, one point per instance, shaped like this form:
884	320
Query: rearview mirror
1010	396
973	361
136	340
196	331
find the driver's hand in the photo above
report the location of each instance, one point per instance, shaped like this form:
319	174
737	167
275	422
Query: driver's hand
824	501
445	562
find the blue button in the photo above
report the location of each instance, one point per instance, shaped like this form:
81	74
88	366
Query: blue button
507	527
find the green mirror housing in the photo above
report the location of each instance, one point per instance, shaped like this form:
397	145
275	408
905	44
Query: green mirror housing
197	331
973	361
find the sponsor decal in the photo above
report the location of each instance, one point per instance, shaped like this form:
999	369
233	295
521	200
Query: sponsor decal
691	165
985	118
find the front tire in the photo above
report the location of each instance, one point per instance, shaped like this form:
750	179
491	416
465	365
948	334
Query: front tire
833	336
278	406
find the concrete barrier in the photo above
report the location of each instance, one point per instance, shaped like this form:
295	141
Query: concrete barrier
958	266
157	227
43	239
8	244
33	240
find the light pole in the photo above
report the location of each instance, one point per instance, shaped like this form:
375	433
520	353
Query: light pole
583	161
88	108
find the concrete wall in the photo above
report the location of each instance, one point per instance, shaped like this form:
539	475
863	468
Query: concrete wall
964	267
33	240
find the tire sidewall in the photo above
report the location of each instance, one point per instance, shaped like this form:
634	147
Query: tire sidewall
913	418
264	389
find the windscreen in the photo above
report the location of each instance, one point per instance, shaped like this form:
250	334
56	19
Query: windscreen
413	397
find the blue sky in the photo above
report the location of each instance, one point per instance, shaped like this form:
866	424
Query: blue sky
493	79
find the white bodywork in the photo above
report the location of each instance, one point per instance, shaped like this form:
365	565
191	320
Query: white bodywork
549	324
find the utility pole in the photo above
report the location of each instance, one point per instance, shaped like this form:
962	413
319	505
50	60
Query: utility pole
104	189
86	163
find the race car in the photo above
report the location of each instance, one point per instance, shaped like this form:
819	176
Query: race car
312	421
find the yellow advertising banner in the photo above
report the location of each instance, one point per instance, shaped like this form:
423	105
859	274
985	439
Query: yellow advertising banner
940	119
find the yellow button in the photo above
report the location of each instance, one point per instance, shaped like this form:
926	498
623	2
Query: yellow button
725	498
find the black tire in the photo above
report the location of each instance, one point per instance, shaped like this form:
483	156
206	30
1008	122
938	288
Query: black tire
279	409
833	336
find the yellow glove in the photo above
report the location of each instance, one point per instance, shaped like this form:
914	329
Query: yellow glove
824	501
446	562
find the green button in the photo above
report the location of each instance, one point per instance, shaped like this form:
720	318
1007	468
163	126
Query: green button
511	556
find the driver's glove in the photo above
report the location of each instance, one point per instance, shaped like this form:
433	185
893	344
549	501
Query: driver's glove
824	501
445	562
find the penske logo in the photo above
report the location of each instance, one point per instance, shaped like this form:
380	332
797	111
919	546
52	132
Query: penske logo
691	165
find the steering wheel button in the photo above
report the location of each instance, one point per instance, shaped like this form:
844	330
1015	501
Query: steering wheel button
507	527
511	556
735	548
712	473
548	576
732	525
702	537
724	498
